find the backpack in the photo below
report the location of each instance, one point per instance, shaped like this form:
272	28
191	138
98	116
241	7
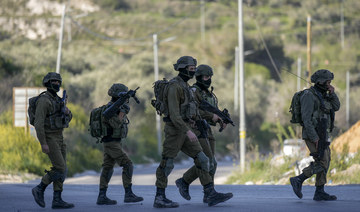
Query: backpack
96	126
295	107
160	101
32	108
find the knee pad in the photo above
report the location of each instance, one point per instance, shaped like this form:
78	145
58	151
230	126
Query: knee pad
212	166
316	168
56	175
128	170
202	161
167	165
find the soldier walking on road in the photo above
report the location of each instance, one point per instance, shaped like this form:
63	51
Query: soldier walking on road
318	106
115	129
51	117
201	92
181	135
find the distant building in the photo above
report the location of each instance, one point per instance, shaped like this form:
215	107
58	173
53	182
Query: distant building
294	147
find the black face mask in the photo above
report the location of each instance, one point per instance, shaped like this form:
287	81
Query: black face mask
207	83
202	83
56	87
53	87
321	87
186	75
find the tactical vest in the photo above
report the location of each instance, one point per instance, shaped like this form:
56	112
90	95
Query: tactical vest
189	108
55	120
208	96
117	132
321	112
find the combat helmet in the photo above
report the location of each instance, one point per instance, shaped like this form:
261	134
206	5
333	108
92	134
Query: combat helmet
184	61
204	70
321	76
116	88
51	76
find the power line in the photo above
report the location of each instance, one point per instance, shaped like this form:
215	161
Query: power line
267	50
286	70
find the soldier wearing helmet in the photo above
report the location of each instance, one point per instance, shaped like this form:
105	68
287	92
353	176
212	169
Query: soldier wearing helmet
116	128
181	135
317	103
50	79
50	121
201	92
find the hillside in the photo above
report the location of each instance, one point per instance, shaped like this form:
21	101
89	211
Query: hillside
350	138
108	41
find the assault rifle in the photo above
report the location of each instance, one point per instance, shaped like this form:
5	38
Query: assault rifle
203	127
322	143
123	96
224	115
63	109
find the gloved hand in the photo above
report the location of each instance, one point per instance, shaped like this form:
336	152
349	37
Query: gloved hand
125	108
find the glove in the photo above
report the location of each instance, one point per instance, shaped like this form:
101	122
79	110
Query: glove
125	108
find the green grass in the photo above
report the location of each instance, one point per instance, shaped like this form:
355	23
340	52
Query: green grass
262	171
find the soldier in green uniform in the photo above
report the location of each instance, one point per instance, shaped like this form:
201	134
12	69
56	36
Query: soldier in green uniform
201	92
50	121
320	101
117	129
181	135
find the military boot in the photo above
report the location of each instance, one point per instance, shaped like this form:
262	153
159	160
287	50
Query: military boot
130	196
213	197
103	199
320	194
162	202
58	203
206	196
38	193
296	183
183	188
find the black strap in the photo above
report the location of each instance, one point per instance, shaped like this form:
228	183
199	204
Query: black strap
319	95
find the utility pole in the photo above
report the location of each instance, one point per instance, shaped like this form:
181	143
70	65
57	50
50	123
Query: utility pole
69	38
156	74
342	25
202	8
236	81
298	85
309	47
347	100
242	127
60	40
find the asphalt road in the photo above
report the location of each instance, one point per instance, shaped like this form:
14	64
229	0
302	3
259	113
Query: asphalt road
83	190
17	197
145	174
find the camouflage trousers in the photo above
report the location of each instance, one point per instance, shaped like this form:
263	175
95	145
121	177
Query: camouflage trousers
319	167
208	146
176	141
57	156
113	153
